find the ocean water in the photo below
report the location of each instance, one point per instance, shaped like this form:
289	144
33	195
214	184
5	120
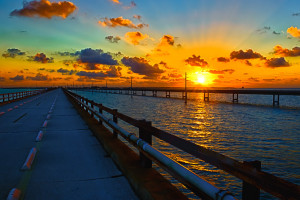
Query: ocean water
12	90
250	130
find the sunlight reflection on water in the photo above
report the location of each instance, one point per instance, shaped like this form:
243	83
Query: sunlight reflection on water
241	131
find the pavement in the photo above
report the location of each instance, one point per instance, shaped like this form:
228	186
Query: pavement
70	163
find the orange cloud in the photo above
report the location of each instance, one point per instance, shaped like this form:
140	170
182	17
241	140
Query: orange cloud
116	1
135	37
120	21
45	9
278	50
277	62
41	57
167	40
196	61
294	31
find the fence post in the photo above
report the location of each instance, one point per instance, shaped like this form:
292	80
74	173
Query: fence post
147	137
115	119
250	192
101	112
92	106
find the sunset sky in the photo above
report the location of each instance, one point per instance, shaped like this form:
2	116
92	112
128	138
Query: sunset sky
219	43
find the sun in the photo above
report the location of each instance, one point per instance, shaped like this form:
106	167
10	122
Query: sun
201	79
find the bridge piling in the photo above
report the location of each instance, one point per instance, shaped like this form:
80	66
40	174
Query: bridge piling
275	100
235	98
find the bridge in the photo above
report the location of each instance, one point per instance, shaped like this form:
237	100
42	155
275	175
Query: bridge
153	92
54	145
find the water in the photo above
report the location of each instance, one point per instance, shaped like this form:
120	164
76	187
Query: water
12	90
250	130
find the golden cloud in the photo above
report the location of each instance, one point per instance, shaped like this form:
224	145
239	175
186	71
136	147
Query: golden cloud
167	40
120	21
45	9
294	31
135	37
278	50
116	1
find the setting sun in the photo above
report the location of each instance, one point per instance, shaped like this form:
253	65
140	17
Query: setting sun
201	79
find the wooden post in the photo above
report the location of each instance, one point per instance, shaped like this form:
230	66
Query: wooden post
115	119
101	112
92	106
275	102
147	137
251	192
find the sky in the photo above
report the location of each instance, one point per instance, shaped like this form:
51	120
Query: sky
217	43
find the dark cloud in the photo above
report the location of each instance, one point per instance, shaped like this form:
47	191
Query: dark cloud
11	53
249	54
93	57
278	50
17	78
276	62
113	39
141	66
66	71
68	53
223	59
132	5
276	33
42	69
2	79
38	77
45	9
230	71
41	57
253	79
271	79
247	62
196	61
296	14
120	21
264	29
112	72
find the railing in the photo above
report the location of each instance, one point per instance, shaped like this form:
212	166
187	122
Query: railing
249	172
8	97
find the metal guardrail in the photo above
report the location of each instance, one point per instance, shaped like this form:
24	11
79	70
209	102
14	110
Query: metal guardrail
8	97
253	178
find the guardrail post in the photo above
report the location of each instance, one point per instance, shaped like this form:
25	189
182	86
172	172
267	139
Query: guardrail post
101	112
92	106
147	137
250	192
115	119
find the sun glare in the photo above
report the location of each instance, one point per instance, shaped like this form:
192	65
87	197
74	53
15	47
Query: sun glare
201	79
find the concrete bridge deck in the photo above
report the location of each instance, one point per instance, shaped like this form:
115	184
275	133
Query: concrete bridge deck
69	164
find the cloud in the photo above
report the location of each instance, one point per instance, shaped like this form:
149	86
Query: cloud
278	50
17	78
113	39
116	1
120	21
38	77
223	59
66	71
249	54
296	14
138	17
45	9
12	53
41	57
276	62
264	29
247	62
253	79
196	61
230	71
276	33
68	53
167	40
135	37
94	57
132	5
112	72
294	31
2	79
141	66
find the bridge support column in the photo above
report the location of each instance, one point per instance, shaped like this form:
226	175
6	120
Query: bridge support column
143	93
154	92
275	100
147	137
168	94
206	97
250	192
235	98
